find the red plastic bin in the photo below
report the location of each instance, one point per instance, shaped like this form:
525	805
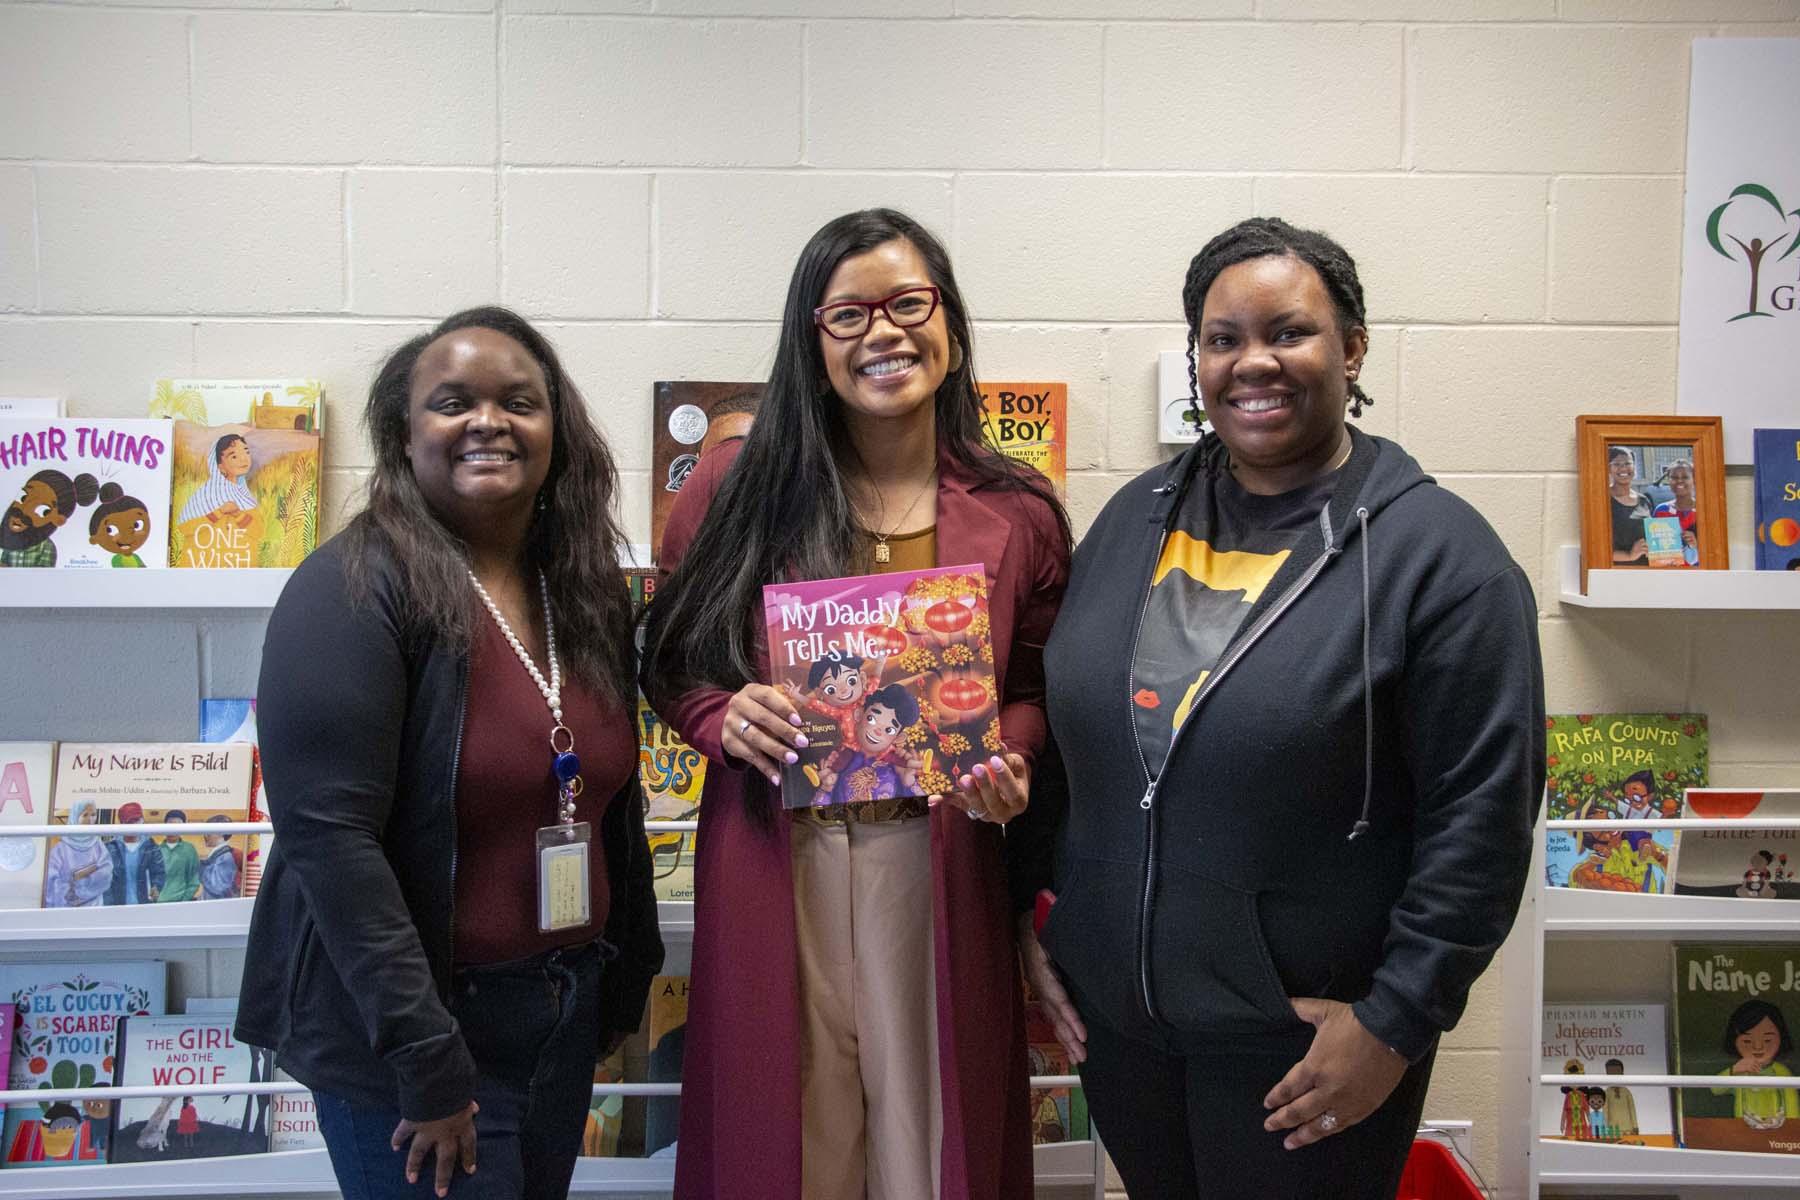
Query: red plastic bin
1432	1173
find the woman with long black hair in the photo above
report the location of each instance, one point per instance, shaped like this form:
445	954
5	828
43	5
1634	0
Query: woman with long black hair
445	717
853	966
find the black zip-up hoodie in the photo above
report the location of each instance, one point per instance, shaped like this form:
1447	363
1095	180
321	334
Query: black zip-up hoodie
1346	813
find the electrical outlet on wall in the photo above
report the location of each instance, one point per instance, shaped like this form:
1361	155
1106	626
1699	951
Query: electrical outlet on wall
1174	423
1458	1136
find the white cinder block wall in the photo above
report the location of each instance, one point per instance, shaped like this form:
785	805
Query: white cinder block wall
294	186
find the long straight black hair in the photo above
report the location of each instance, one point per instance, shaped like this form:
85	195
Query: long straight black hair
783	511
574	537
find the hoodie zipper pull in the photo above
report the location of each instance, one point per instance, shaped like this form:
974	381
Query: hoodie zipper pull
1149	793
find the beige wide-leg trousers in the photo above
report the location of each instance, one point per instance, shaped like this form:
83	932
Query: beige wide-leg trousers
871	1110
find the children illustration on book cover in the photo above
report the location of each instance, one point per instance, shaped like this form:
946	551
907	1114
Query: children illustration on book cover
1777	453
894	677
673	774
1601	1040
84	493
1029	422
65	1037
1628	766
1734	1010
1754	862
246	470
187	784
690	418
178	1053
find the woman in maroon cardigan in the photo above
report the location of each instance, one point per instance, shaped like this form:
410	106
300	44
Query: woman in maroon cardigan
896	1069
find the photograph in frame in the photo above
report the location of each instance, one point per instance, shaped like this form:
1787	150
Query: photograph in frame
1652	493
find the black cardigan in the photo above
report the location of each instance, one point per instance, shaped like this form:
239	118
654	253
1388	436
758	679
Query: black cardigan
347	970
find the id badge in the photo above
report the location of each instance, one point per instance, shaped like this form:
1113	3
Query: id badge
562	853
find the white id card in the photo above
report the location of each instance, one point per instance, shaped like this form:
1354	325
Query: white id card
562	852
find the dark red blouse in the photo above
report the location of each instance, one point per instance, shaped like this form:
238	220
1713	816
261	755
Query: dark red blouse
506	792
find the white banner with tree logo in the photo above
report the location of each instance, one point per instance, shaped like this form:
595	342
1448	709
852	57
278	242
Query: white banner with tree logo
1740	264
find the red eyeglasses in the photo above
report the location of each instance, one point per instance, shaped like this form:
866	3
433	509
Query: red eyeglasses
846	320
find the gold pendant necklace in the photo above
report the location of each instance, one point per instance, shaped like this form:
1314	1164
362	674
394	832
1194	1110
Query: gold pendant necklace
882	553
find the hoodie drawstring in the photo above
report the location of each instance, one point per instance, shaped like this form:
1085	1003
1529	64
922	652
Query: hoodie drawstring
1362	822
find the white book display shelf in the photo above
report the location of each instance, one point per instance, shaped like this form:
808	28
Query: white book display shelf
1068	1169
1652	923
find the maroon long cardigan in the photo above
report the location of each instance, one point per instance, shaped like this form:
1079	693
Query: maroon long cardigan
740	1108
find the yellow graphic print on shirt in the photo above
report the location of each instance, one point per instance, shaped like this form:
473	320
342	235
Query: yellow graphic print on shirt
1199	596
1219	570
1223	556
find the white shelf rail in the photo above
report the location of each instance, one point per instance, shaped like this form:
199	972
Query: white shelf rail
287	1087
1673	1081
175	829
146	829
1676	823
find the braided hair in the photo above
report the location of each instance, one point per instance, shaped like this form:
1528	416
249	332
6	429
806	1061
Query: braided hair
1260	237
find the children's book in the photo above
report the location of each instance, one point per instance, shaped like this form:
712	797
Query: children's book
894	678
27	770
673	775
1777	453
1662	542
235	721
9	1027
245	491
691	418
1736	1007
178	1053
64	1038
31	406
125	783
210	1005
668	1041
1058	1114
1750	863
1029	422
84	493
1602	1040
606	1113
1618	765
293	1119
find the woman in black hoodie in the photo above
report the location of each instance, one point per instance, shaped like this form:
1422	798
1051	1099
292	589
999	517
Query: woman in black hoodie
1300	785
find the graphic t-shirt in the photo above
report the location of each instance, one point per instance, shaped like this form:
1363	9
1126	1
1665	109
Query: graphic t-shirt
1221	555
1628	525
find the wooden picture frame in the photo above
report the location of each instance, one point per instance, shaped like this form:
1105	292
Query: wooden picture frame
1656	446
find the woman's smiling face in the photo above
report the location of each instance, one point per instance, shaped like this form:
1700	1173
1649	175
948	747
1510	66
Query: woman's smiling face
890	370
479	426
1274	370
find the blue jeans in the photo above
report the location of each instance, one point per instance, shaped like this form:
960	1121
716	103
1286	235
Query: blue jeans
533	1027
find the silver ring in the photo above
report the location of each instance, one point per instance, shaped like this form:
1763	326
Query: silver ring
744	728
973	815
1328	1121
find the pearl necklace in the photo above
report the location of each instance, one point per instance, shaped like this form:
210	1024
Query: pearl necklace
564	762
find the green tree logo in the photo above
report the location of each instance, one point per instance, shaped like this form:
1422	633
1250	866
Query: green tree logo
1750	206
